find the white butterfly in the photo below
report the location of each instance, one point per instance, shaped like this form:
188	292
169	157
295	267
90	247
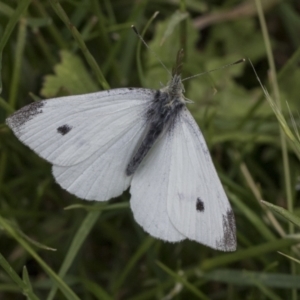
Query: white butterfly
102	143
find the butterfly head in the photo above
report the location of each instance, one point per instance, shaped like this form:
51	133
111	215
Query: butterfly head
175	87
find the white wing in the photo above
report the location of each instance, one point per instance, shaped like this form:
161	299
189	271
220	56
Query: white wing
149	192
89	138
68	130
181	191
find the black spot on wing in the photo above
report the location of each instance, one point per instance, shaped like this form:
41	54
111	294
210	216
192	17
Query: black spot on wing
199	205
25	114
64	129
228	242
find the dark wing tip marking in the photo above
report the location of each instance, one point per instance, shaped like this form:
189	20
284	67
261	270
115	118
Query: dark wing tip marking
228	242
25	114
64	129
199	205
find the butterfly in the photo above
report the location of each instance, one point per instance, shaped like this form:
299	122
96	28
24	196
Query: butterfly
100	144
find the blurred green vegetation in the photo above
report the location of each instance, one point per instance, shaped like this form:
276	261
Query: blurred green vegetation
96	250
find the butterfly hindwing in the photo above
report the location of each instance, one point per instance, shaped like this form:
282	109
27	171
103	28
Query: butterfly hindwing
102	176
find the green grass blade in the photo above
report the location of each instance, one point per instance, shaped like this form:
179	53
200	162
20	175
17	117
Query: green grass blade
138	51
253	218
96	290
78	38
184	282
65	289
283	212
291	258
20	46
24	285
132	262
245	278
78	240
14	19
247	253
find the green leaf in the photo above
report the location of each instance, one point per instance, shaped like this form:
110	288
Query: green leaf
71	78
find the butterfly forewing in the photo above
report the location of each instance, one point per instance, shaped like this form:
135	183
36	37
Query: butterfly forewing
68	130
197	204
89	139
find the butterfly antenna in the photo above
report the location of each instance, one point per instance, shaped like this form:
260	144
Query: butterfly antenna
156	56
223	67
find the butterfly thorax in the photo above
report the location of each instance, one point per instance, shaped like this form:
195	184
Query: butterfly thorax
175	89
160	117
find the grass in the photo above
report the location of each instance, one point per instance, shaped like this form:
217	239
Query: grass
55	246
